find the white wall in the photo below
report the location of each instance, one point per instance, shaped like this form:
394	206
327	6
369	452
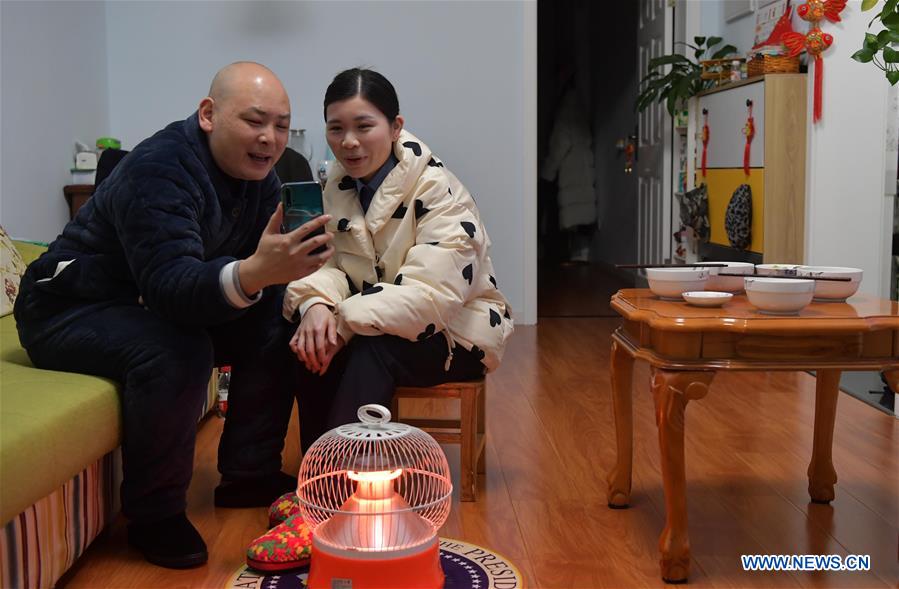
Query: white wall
461	70
739	32
848	216
54	91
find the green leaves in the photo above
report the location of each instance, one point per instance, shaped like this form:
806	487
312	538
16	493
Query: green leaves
881	49
724	51
683	79
863	55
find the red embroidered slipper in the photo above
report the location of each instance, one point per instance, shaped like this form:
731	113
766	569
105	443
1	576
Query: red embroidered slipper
286	546
284	506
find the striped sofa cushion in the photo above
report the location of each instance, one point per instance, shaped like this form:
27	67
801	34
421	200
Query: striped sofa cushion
42	542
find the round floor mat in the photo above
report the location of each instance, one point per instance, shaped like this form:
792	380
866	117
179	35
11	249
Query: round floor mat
466	566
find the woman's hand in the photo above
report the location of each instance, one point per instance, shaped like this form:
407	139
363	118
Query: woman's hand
316	341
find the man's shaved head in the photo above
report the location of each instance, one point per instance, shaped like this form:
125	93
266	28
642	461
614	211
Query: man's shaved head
246	118
238	75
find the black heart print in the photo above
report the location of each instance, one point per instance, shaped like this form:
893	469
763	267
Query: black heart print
347	183
433	243
493	282
398	280
349	281
434	163
343	225
420	210
366	285
506	314
477	352
428	332
467	273
468	227
372	290
415	147
494	318
400	212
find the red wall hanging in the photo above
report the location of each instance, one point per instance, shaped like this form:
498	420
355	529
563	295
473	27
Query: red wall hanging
749	131
705	138
815	41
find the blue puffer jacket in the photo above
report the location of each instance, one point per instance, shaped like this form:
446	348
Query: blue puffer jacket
160	227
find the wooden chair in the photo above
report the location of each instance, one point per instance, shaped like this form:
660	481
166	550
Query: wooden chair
467	430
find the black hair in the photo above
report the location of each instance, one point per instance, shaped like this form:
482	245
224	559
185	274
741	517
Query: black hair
368	84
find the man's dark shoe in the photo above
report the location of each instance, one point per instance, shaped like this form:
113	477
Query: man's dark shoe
172	542
255	492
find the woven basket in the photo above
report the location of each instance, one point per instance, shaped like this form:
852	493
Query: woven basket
772	64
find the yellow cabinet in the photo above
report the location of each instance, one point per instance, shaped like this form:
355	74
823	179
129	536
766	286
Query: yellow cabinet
777	160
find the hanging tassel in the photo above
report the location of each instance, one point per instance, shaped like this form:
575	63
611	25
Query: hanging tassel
749	131
819	74
705	139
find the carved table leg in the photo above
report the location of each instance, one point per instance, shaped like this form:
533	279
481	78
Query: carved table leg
619	479
671	392
821	474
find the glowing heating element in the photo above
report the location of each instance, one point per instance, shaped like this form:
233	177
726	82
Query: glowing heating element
375	493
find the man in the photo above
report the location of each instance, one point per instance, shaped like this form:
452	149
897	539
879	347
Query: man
176	264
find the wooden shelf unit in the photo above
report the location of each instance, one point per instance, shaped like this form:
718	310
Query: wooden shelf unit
777	160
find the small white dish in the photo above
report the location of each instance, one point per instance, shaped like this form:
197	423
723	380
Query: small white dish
707	298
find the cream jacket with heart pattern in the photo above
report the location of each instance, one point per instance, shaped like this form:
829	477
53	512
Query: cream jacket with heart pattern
415	265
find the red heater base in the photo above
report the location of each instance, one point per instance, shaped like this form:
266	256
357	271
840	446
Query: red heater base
415	571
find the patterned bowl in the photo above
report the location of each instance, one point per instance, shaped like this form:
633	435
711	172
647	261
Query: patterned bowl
831	290
779	296
728	283
670	283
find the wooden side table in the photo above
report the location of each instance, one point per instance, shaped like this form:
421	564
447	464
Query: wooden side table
685	346
76	195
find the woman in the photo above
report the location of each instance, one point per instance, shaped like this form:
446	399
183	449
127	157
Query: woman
409	297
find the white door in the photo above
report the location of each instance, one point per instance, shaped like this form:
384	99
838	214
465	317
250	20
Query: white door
653	165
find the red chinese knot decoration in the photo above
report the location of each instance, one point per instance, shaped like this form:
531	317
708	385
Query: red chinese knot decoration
815	41
705	140
749	131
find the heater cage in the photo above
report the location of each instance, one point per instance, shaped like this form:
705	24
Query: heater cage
375	486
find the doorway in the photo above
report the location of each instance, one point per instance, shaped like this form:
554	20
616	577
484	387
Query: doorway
587	85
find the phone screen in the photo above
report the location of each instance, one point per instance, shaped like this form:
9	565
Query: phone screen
302	202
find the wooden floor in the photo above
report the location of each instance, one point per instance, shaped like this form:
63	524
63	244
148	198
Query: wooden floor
551	441
577	290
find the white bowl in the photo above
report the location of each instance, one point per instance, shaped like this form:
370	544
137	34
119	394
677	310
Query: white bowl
777	269
779	296
831	290
669	283
728	283
707	298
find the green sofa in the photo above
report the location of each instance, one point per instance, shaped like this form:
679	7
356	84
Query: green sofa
52	424
60	466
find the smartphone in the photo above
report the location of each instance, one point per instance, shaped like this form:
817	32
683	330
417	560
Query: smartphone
302	202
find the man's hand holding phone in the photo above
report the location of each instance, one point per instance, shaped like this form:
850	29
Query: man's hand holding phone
282	257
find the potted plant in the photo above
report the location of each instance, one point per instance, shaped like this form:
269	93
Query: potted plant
881	49
684	80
